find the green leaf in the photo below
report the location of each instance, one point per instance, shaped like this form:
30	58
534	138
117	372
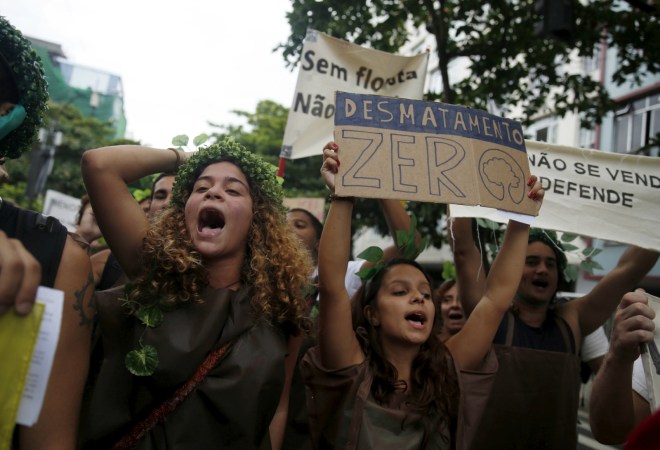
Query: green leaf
369	272
410	252
180	141
142	362
568	237
569	247
590	265
570	273
401	238
424	244
150	315
371	254
448	271
488	224
200	139
590	252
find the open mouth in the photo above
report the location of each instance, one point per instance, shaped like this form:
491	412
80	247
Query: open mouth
540	283
210	219
417	319
456	316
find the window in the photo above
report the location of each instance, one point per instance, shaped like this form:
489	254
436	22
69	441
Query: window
636	125
592	63
587	138
546	133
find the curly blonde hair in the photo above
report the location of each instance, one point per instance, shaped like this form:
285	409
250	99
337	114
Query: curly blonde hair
276	269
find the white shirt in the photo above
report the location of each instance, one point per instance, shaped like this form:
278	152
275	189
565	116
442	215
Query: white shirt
594	345
639	380
352	282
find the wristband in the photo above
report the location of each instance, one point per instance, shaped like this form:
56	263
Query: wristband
335	198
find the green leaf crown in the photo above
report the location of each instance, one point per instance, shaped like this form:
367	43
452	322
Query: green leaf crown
260	174
406	241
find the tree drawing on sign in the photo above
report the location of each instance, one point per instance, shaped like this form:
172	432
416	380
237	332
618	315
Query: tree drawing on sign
502	175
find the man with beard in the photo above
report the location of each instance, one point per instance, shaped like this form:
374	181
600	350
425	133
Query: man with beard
538	343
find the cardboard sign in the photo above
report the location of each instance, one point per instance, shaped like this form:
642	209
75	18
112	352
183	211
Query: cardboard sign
605	195
329	64
406	149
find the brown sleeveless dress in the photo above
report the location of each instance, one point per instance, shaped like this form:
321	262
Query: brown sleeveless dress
343	414
230	409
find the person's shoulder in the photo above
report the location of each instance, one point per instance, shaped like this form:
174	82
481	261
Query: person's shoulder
75	260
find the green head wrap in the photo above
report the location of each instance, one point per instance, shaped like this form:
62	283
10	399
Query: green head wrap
260	174
549	238
27	75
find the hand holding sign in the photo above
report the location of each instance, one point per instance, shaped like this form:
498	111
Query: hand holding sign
331	168
431	152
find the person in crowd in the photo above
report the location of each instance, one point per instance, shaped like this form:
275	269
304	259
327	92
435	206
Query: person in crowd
145	204
309	228
161	192
35	249
389	382
228	277
451	310
619	394
86	226
538	342
594	345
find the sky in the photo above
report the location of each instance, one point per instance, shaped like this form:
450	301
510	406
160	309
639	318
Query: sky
182	64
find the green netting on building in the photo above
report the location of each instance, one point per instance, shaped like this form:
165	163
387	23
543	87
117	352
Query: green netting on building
109	107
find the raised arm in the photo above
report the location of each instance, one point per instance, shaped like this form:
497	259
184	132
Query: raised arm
397	219
58	420
470	345
615	409
338	345
595	308
470	271
106	172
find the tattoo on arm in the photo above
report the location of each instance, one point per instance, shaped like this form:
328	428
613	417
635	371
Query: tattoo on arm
78	305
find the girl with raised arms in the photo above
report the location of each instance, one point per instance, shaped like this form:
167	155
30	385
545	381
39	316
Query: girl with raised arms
384	380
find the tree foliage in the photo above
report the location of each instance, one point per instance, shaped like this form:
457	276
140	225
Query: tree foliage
263	133
509	64
511	68
79	133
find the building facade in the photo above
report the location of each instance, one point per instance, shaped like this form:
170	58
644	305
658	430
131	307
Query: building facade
94	92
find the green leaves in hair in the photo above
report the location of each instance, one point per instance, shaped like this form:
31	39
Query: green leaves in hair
405	242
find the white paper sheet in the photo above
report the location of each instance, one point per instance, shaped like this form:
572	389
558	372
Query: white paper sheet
42	357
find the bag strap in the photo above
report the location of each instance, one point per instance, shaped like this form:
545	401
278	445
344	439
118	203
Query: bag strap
160	413
510	325
567	335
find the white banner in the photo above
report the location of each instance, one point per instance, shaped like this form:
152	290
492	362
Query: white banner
611	196
63	207
328	65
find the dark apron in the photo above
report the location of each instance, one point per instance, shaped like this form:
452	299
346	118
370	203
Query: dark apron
534	402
